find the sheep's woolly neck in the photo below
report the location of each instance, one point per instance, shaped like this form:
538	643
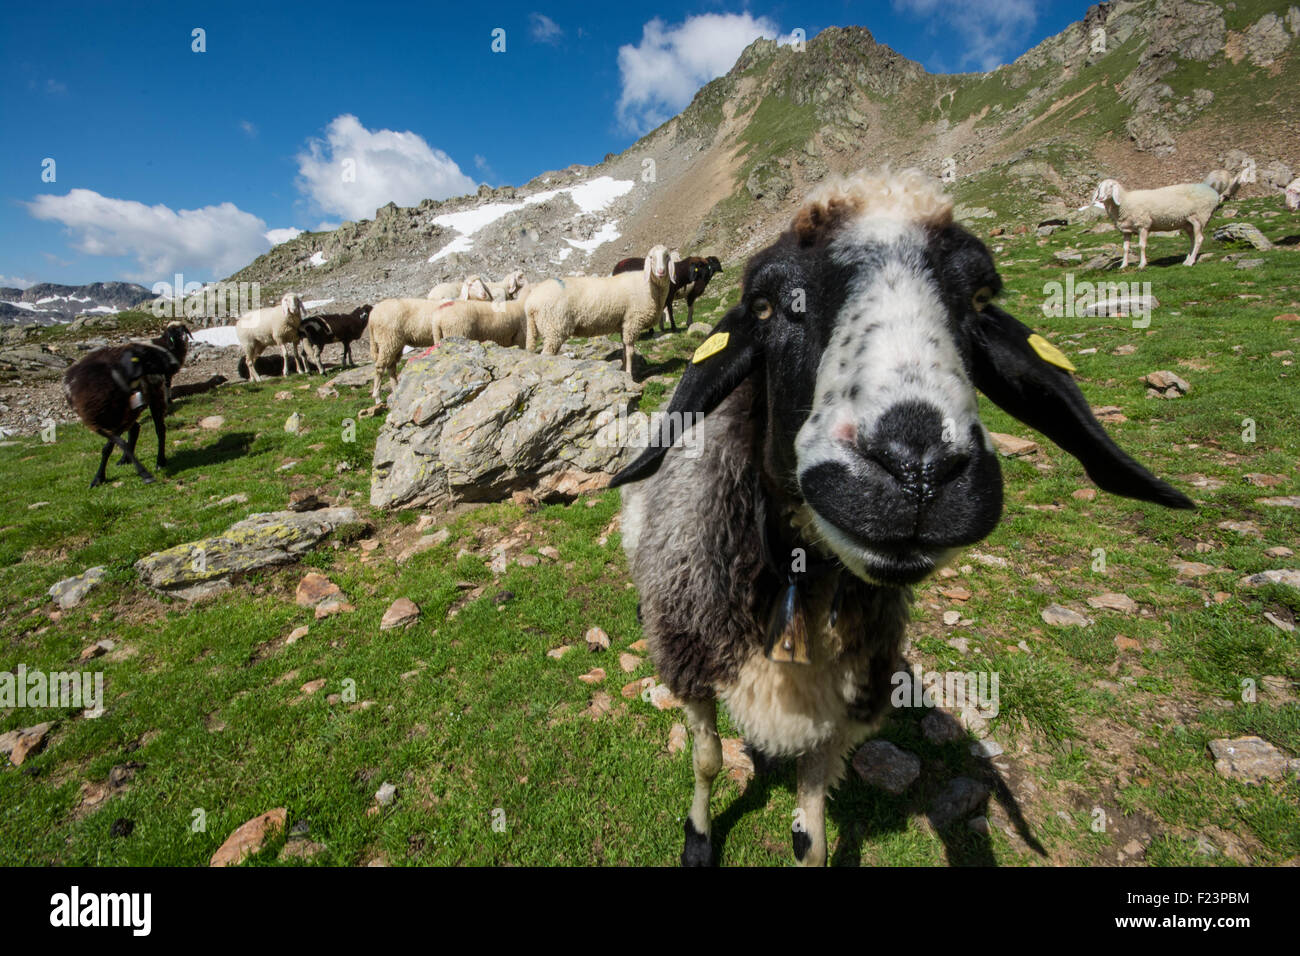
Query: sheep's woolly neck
907	196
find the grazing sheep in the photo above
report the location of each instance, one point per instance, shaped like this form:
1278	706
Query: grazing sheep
395	324
472	287
277	324
1293	195
1186	207
628	303
698	272
836	459
499	322
1223	182
110	387
345	328
514	286
175	339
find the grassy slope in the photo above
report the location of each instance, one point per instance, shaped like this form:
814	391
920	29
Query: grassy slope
470	715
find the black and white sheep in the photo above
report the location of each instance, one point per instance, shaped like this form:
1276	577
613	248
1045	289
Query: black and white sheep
110	388
318	331
837	458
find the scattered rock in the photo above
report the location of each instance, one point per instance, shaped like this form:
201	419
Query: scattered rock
249	838
601	704
315	589
400	613
677	738
558	652
1127	643
69	592
1059	616
1251	760
735	760
1278	622
1192	569
988	749
1287	576
212	422
940	727
950	618
629	662
18	745
1241	527
1084	494
1243	232
661	698
386	794
1165	384
1012	447
1281	551
882	764
302	499
1111	601
1290	501
423	544
199	568
960	797
597	640
593	676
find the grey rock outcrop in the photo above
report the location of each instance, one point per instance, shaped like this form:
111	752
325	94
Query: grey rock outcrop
198	568
475	422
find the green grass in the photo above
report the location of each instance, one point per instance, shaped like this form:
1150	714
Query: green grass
469	716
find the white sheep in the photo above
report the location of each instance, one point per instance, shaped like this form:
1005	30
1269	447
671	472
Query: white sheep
395	324
628	304
277	324
513	286
1293	195
1186	207
471	288
499	322
1224	183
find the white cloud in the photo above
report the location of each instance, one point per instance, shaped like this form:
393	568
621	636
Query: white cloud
991	34
544	29
668	66
354	171
277	236
326	226
13	282
212	241
249	128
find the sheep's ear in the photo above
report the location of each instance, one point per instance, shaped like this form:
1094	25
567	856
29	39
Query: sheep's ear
726	359
1021	373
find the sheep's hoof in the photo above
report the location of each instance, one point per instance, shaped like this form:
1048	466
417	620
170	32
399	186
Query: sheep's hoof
698	851
96	481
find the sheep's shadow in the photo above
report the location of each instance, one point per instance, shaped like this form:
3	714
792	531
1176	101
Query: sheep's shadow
863	814
226	448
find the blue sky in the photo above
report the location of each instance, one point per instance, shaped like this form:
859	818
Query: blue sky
169	159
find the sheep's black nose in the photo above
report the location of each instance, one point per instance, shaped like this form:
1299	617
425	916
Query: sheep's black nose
910	444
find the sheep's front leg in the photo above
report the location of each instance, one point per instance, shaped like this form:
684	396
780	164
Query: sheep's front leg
158	411
629	350
131	437
706	760
103	464
1142	248
1197	236
1128	240
284	356
818	771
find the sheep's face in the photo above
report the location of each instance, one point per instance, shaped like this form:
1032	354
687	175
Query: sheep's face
657	262
1105	191
291	304
865	330
872	418
475	288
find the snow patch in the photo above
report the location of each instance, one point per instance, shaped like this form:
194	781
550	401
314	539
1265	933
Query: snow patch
318	258
606	233
316	303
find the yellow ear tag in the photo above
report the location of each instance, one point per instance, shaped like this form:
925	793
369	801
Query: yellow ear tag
1049	353
712	346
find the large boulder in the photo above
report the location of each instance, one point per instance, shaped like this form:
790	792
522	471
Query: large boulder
472	421
198	568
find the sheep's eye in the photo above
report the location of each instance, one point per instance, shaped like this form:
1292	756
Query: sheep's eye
982	298
762	309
